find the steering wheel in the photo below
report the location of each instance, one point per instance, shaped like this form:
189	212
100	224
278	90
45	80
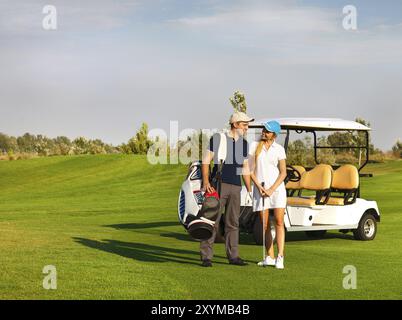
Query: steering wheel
292	174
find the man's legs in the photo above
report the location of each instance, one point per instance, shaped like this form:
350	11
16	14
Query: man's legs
206	246
232	215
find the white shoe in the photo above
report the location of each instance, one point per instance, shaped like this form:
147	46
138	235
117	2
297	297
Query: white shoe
279	264
267	262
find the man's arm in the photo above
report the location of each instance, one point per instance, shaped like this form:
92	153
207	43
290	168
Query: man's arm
246	175
205	171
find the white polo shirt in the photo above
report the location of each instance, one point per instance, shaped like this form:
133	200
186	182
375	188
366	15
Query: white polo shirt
267	171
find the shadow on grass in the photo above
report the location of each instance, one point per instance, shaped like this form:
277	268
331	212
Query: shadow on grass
245	238
138	227
301	236
147	225
298	236
142	252
178	236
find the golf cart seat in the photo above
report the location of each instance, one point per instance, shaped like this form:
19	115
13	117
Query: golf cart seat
292	186
345	180
319	180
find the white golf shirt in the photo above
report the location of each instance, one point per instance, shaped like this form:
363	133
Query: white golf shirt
267	171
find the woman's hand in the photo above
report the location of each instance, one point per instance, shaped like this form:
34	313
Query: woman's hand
269	192
262	191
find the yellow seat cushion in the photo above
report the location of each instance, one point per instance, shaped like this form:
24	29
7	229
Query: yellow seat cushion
335	201
345	177
301	201
318	178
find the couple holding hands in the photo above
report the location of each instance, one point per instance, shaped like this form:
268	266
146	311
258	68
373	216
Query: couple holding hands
262	163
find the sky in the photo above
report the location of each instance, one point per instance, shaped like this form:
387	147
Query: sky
111	65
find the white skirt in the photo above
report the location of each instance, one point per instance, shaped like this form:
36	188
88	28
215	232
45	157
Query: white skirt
276	200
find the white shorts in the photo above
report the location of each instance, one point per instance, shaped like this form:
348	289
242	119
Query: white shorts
276	200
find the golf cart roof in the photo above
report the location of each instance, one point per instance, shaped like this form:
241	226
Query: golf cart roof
319	124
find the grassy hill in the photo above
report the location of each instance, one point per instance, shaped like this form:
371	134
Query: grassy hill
109	225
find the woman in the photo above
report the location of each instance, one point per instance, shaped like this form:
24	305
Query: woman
268	164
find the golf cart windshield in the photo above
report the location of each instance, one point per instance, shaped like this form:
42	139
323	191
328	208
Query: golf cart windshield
317	127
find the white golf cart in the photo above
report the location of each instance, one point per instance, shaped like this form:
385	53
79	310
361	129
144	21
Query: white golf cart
336	204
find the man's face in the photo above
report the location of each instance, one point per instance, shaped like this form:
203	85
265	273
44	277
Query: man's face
241	128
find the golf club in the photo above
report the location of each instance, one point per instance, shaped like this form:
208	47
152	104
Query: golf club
263	226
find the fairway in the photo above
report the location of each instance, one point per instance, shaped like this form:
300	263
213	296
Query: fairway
108	223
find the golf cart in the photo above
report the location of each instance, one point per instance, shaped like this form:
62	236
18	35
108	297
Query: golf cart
336	205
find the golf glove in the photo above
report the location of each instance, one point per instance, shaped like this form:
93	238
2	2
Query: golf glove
249	198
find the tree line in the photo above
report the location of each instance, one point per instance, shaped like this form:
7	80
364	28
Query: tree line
300	151
30	145
40	145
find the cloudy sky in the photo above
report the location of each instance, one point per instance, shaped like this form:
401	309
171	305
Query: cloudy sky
112	65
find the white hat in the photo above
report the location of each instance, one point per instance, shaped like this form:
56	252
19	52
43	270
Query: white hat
240	117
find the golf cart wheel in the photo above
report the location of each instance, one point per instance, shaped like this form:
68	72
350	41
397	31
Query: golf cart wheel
367	228
257	231
316	234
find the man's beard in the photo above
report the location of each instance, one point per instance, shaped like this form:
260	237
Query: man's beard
241	133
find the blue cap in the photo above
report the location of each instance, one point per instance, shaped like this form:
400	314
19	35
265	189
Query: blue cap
273	126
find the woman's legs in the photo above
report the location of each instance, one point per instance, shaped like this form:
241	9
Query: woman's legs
269	245
280	230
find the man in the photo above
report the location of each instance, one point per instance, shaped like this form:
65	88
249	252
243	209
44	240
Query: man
233	168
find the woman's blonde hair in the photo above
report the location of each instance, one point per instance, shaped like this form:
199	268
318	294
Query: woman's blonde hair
258	151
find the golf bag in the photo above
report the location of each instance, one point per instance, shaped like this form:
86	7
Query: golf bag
202	226
199	211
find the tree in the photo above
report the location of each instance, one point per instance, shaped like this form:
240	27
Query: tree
355	138
397	149
110	148
325	155
63	146
8	143
298	152
140	143
96	147
43	146
124	148
80	145
26	143
341	139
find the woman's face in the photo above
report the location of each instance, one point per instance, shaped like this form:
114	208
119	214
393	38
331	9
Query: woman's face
267	135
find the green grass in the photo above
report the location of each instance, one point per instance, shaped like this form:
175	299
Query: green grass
109	225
